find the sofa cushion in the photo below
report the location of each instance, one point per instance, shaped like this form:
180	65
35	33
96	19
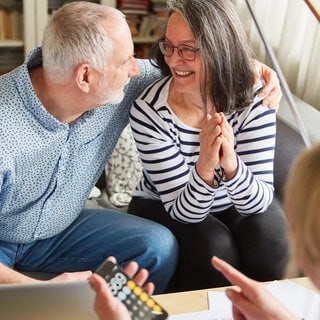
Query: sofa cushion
123	170
288	144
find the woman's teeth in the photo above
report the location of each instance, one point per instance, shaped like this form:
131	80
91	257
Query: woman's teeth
183	73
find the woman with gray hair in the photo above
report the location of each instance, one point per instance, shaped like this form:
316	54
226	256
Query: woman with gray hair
207	144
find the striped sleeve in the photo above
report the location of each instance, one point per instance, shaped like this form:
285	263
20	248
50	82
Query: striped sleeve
251	189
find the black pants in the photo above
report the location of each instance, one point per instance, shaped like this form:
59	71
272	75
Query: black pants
255	245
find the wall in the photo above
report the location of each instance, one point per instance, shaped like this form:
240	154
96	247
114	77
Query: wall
293	33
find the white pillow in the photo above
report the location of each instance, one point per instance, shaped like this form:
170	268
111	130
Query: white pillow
123	170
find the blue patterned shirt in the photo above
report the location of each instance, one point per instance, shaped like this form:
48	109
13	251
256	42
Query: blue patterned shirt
47	167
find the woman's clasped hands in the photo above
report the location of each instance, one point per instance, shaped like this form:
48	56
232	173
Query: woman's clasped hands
216	148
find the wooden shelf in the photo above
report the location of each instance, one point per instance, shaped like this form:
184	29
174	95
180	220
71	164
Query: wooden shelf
11	43
144	39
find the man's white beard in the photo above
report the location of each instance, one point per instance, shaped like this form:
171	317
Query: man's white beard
116	97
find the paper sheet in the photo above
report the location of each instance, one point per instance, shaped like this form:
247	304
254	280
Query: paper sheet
301	301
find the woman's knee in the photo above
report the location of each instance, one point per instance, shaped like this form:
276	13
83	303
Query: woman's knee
263	244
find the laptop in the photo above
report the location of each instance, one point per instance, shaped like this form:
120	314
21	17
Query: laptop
47	301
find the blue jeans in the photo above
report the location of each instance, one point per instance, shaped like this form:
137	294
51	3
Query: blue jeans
95	235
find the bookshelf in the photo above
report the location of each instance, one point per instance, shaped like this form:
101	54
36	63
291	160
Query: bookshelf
22	23
146	19
21	26
11	43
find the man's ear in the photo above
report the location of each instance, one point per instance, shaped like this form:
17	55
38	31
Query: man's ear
83	77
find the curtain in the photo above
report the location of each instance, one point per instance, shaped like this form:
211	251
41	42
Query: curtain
293	33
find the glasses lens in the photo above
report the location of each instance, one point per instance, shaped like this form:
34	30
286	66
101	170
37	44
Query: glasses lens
184	51
187	53
165	48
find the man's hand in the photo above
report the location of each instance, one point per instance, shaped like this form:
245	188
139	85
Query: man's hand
72	276
271	92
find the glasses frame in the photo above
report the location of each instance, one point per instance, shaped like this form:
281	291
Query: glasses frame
163	41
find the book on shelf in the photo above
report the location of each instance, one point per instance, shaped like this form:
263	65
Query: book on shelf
139	2
134	11
144	26
146	19
158	6
133	21
134	6
10	23
152	26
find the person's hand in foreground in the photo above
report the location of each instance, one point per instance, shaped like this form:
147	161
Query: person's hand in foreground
72	276
106	305
271	92
251	300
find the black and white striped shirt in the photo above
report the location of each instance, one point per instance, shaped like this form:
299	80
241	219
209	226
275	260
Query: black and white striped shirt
169	150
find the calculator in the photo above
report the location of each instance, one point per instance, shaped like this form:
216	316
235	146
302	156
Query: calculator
138	302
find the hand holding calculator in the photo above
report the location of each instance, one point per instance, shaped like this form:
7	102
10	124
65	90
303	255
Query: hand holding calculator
138	302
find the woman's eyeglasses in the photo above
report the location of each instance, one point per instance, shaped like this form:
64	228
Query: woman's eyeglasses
184	51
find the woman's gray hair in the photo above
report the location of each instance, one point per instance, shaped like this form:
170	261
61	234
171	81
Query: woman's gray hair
80	32
228	76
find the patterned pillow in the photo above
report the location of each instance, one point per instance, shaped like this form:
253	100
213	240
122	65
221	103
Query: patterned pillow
123	170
